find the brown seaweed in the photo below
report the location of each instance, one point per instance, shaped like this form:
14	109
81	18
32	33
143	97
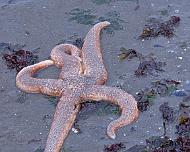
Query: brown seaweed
19	59
114	147
149	65
163	87
158	28
164	143
128	54
168	113
145	98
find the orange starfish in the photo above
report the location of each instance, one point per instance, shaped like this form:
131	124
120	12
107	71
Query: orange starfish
82	77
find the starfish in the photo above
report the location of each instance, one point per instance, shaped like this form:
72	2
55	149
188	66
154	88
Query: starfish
82	77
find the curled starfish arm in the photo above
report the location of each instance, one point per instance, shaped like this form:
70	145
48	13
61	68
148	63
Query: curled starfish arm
26	82
92	54
126	102
64	118
67	57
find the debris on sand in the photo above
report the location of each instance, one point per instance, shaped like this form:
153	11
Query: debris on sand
114	147
137	148
180	93
163	87
145	98
148	63
76	128
155	144
168	113
158	28
128	54
183	127
16	57
164	143
19	59
160	144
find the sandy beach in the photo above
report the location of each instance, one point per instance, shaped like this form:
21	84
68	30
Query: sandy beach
39	25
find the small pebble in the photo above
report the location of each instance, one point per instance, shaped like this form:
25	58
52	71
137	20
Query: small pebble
180	93
75	130
180	57
176	11
170	51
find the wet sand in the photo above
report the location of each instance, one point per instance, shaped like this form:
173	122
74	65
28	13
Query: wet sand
25	118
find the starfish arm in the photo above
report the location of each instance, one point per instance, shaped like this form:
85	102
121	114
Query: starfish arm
26	82
92	54
126	102
64	118
67	57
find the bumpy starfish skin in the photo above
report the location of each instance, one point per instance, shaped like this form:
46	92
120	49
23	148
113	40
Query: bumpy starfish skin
27	83
67	57
119	97
92	56
81	78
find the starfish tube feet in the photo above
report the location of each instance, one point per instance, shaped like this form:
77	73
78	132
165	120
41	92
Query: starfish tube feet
63	120
126	102
92	54
26	82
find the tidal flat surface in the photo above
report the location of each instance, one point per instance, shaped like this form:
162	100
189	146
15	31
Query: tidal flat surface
38	26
